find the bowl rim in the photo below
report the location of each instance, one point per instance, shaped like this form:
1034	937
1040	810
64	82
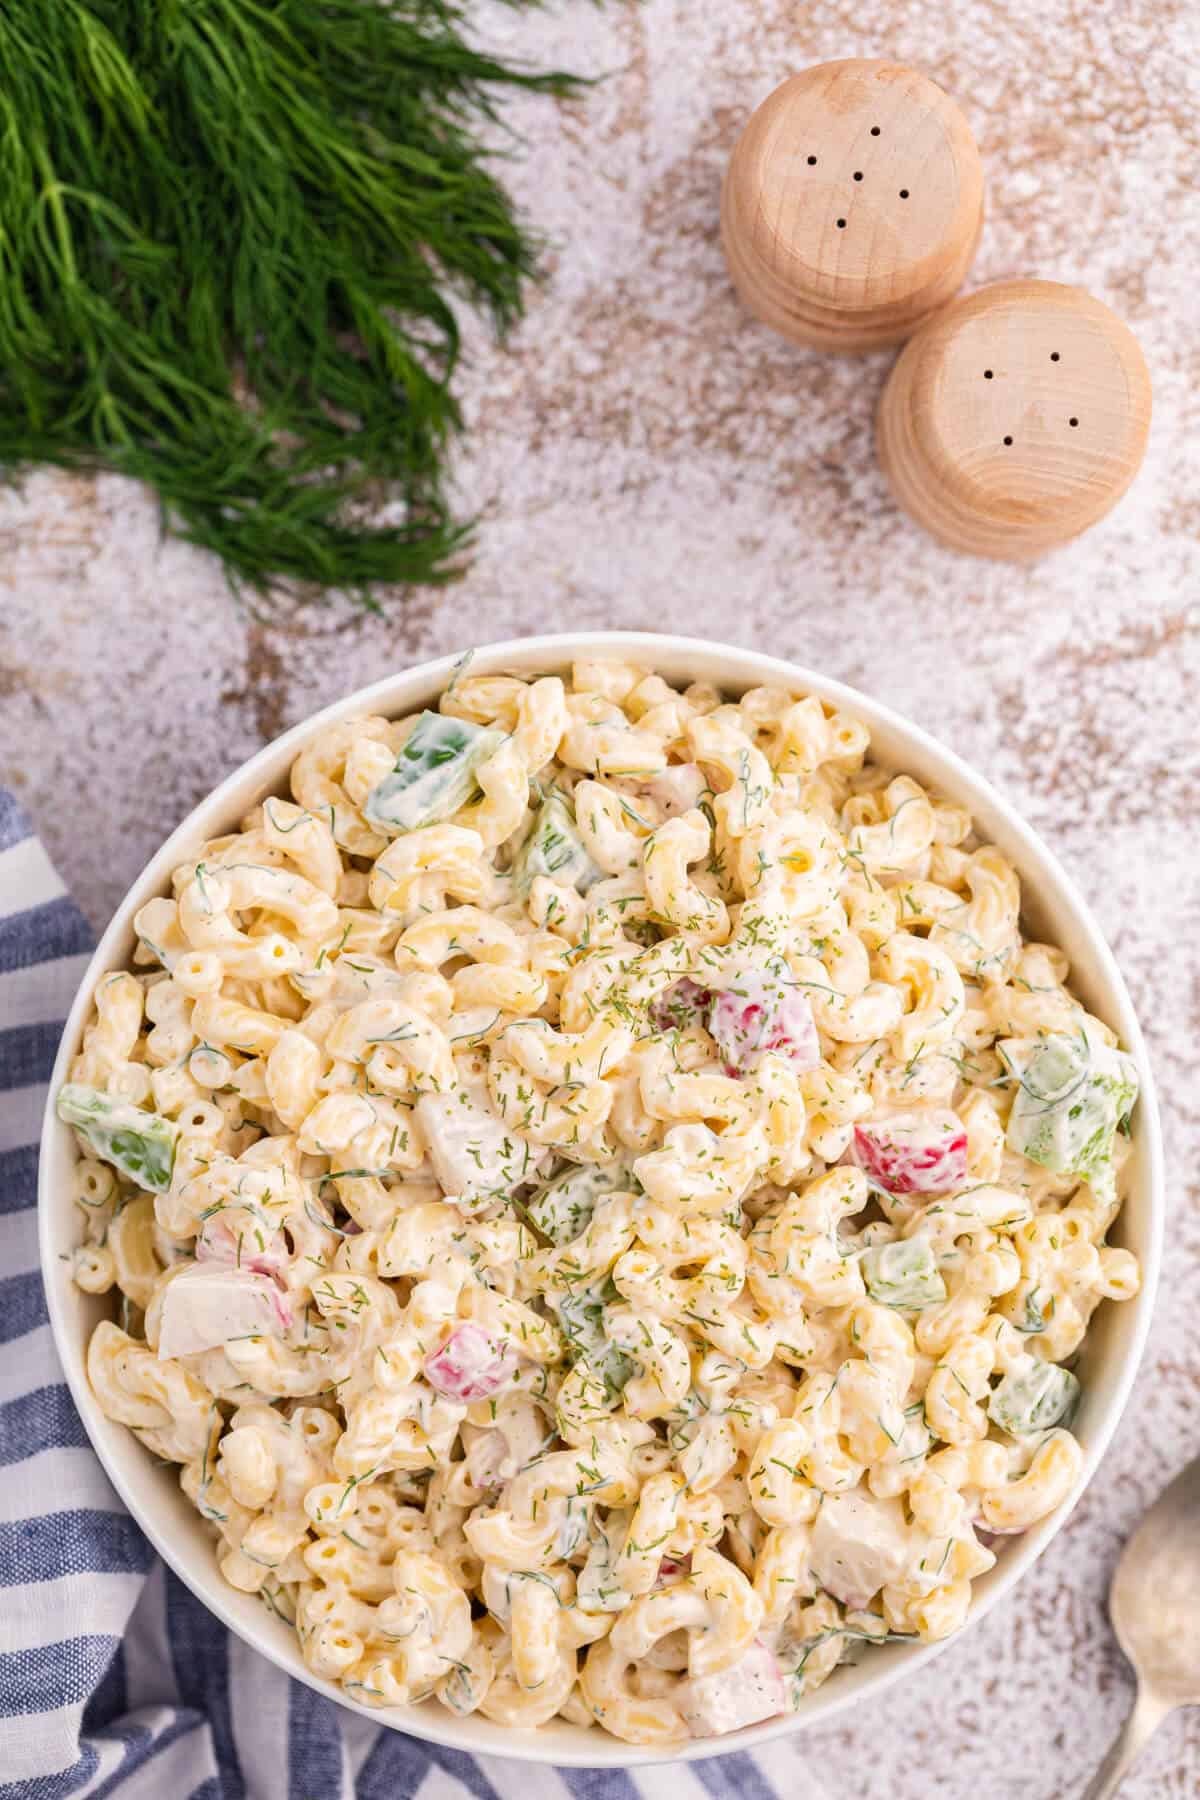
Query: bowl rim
401	691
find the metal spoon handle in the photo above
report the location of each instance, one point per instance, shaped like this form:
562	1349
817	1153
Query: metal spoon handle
1147	1715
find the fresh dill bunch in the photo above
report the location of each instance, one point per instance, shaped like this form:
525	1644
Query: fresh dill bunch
232	233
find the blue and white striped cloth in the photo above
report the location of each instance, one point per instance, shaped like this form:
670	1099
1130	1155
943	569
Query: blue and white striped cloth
114	1679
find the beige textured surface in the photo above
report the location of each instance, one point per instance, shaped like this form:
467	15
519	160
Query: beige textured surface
646	456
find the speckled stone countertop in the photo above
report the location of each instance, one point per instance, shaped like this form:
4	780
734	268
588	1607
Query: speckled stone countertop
644	455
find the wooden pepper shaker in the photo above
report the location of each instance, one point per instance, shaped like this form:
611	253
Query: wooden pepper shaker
852	205
1015	419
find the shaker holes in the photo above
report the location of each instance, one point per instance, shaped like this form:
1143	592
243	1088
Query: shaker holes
841	224
904	193
874	131
1072	421
812	162
1054	356
987	374
858	174
1008	440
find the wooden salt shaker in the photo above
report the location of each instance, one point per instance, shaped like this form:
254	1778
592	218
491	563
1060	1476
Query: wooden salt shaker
1015	419
852	205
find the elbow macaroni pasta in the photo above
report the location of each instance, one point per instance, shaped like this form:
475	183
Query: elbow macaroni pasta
546	1307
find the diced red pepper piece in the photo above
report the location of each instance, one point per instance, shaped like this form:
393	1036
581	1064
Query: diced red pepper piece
670	1570
918	1152
471	1365
760	1014
251	1249
680	1005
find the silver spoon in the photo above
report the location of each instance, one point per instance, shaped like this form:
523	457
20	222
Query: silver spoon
1154	1603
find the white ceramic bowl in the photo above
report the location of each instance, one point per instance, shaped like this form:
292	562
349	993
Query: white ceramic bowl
1053	912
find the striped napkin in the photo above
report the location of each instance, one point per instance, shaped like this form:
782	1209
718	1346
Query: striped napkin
114	1679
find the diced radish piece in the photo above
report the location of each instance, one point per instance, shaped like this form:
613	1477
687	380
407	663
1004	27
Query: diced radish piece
751	1690
471	1365
913	1152
203	1308
678	788
859	1544
670	1570
680	1005
252	1249
763	1013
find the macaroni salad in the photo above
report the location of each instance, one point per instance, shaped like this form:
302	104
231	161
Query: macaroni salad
603	1202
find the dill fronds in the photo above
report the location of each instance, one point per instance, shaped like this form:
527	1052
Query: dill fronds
231	236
